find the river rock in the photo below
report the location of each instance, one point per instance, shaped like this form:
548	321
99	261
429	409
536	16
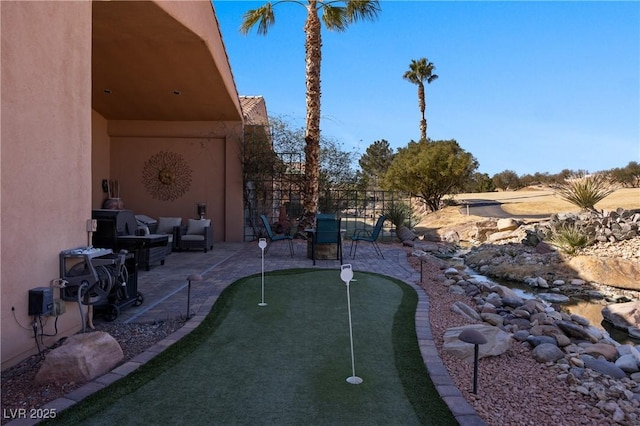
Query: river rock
609	352
80	358
575	330
627	363
498	342
539	340
623	315
465	310
493	319
547	352
553	297
613	271
604	367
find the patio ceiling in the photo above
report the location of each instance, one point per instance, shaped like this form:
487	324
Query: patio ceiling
147	65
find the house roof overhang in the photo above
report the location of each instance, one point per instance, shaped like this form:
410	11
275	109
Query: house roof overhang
161	61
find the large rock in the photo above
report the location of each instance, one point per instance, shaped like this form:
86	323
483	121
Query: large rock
498	342
609	352
623	315
576	331
81	357
604	367
613	271
547	352
507	224
465	310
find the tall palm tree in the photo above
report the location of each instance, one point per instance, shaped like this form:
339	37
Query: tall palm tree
419	72
336	16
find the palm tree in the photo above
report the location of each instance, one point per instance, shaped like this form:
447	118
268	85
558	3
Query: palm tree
336	16
419	72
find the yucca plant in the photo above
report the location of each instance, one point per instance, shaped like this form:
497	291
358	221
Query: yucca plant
585	191
400	214
569	238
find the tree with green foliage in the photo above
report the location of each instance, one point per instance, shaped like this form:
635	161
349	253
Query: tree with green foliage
479	182
506	180
421	70
430	170
629	176
336	16
375	162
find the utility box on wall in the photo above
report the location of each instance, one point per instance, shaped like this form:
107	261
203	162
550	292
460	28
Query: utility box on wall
40	301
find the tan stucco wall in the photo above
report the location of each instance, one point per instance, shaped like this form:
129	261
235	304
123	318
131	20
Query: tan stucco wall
57	146
45	157
210	151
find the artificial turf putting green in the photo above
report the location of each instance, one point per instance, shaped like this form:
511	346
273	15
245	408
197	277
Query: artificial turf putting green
285	363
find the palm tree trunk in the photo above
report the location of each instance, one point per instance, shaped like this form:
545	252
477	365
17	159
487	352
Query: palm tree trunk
423	120
313	46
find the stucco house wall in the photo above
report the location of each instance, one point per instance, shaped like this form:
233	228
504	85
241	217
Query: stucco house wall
61	133
209	152
45	155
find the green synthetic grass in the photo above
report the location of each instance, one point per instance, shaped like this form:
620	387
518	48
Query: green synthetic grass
285	363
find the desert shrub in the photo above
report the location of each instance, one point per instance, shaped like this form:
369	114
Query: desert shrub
400	214
569	238
585	191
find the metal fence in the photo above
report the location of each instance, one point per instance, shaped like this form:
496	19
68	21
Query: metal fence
357	209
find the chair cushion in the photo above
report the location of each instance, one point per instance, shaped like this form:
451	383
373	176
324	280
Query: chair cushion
196	226
192	238
166	224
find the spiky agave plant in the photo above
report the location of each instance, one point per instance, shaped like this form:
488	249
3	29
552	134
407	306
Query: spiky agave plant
585	191
570	238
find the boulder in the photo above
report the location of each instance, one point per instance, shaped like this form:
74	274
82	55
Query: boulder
627	363
498	342
613	271
576	331
507	224
604	367
466	311
623	315
547	352
609	352
80	358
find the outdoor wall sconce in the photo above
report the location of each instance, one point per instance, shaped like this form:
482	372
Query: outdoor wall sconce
192	277
476	338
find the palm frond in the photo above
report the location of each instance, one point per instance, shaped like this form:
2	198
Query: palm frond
263	16
362	10
338	18
335	17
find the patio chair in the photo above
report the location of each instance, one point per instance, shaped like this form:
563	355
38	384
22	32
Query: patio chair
276	237
327	232
198	234
369	236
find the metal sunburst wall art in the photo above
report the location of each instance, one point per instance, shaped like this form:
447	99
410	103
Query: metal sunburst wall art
166	176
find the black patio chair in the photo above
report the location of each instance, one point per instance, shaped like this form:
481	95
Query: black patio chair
369	236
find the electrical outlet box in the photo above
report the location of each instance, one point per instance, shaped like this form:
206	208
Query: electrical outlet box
92	225
40	301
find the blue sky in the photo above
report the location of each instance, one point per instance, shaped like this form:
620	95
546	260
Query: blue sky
523	86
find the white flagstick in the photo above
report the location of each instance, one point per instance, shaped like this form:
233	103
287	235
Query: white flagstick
262	243
346	275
